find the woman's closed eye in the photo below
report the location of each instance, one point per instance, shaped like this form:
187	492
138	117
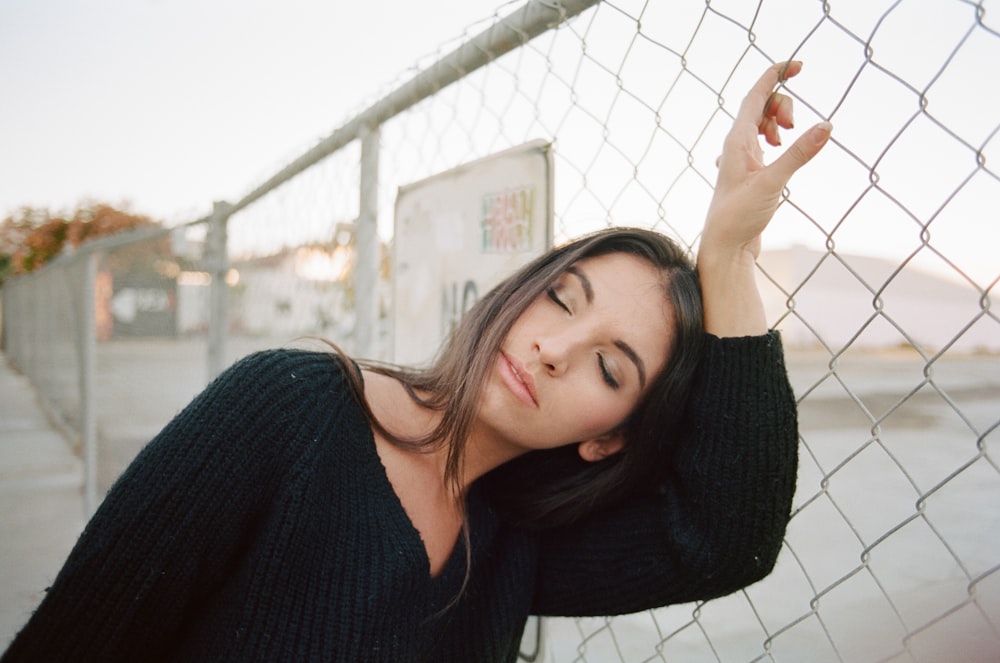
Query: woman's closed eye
554	296
605	373
602	364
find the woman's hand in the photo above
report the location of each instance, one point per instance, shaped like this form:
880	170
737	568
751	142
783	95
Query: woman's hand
747	193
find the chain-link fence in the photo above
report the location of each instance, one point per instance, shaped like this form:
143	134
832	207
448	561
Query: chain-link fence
880	268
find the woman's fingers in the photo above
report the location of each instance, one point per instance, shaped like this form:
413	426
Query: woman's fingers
758	101
779	108
765	111
801	151
747	190
777	115
772	111
768	128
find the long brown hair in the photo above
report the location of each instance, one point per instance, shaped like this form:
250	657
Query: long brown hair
547	488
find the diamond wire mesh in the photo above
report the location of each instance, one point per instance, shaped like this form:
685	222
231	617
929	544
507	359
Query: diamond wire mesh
879	268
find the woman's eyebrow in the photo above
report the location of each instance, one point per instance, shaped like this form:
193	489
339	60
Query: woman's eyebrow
588	293
636	359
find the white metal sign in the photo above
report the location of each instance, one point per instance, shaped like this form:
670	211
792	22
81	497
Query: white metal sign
459	233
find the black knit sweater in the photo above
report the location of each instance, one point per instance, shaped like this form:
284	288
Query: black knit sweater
259	525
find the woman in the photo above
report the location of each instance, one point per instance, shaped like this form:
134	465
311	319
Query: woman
581	446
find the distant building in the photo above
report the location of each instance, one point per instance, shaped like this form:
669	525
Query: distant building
303	290
819	299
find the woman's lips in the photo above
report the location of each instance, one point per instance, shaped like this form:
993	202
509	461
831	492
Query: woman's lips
518	380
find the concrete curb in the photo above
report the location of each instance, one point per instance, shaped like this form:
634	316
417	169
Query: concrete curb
41	500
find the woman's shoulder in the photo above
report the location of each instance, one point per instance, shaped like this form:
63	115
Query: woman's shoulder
295	379
287	365
289	398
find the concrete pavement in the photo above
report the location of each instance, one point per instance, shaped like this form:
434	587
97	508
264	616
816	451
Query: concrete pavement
930	587
41	500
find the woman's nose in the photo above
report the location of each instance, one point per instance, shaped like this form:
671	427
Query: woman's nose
555	352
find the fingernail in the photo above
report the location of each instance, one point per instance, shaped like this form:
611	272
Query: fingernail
821	132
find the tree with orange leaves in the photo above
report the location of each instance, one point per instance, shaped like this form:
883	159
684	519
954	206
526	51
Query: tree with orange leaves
34	236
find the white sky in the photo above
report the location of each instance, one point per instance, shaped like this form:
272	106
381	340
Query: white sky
168	105
171	104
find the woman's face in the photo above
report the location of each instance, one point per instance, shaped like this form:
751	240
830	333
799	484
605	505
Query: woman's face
580	357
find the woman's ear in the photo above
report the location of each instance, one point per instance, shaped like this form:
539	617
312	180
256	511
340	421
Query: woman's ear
602	447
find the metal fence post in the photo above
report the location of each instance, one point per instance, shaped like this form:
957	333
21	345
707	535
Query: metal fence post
366	244
217	264
87	351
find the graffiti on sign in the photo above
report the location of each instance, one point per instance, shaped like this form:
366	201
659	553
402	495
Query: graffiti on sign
506	221
456	300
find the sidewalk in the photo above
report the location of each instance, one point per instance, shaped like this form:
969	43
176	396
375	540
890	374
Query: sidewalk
41	501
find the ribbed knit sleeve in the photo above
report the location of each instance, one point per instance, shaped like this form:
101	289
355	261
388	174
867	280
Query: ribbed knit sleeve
717	523
170	527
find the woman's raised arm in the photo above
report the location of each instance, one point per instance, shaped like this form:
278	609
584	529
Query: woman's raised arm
747	193
716	524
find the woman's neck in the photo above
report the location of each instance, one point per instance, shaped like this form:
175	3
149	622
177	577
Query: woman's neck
405	418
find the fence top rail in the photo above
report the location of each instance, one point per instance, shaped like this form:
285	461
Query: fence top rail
503	36
108	243
531	20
